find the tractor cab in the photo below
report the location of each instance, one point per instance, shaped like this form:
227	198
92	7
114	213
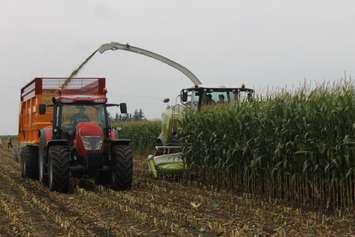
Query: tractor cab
74	113
66	133
197	97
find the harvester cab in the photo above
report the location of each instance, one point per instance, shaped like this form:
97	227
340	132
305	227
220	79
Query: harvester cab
67	133
167	158
197	97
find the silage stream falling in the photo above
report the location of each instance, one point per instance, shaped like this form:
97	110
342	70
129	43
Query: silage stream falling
77	70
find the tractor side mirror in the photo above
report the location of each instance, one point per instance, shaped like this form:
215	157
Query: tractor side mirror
183	96
42	108
166	100
123	108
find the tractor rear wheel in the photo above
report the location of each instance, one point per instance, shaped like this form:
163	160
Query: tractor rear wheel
59	168
29	162
42	162
122	170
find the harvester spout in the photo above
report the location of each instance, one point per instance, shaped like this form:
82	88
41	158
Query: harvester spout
115	46
127	47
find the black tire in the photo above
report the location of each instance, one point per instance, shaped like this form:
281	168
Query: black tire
59	168
42	161
122	170
42	170
29	162
103	178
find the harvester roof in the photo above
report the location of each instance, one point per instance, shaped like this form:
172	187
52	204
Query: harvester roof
242	88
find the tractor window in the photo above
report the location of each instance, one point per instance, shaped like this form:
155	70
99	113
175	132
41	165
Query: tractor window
73	114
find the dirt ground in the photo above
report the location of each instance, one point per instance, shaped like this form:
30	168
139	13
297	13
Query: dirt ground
151	208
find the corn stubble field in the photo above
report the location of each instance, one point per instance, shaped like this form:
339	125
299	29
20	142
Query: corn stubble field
280	166
151	208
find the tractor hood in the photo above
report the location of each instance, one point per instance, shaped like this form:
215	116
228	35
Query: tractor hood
88	138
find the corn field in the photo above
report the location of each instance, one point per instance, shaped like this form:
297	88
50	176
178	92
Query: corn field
143	134
298	147
152	208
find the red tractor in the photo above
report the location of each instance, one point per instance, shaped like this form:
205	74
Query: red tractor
67	133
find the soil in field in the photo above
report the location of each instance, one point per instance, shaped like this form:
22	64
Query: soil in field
151	208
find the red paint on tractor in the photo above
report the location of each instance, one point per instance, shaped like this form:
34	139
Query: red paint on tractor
88	130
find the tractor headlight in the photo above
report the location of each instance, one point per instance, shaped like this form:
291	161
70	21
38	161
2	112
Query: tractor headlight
92	143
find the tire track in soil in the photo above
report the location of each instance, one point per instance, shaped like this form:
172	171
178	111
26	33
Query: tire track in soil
13	217
146	217
143	213
167	184
7	229
65	218
97	221
168	208
55	206
93	215
242	213
171	205
217	211
23	216
151	208
51	220
185	188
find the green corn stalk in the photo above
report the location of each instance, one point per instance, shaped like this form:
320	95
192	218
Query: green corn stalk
143	134
296	146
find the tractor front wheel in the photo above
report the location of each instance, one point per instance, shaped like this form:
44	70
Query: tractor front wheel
122	170
59	168
29	162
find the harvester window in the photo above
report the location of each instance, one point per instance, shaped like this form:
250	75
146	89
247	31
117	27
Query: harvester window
245	96
195	97
221	96
216	97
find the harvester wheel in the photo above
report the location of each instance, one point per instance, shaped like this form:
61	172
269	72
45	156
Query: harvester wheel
59	168
122	171
29	162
